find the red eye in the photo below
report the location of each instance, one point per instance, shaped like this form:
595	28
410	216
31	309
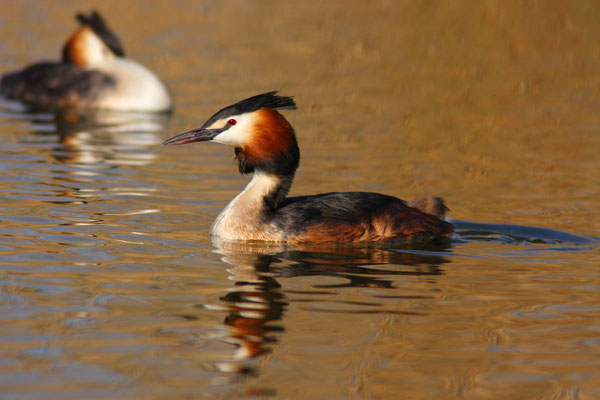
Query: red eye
231	122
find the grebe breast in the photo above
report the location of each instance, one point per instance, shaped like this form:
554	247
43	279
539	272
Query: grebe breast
135	87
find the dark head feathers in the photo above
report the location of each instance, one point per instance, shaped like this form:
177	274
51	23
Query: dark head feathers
98	25
254	103
266	100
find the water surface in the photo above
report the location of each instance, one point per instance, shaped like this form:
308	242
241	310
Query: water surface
111	287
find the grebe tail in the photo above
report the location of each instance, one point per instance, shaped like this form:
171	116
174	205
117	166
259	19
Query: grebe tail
265	144
92	74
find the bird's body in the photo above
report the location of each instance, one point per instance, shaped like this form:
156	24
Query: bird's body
93	74
327	217
265	143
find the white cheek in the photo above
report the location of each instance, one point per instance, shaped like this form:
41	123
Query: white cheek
237	135
96	50
231	137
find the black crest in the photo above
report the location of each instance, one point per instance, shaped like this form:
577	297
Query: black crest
100	28
254	103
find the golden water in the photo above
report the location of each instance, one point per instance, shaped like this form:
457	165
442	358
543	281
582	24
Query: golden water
111	288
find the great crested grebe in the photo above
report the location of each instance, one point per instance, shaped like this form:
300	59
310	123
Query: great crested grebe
93	73
265	143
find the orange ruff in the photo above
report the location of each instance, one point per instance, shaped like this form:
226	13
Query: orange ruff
271	136
75	50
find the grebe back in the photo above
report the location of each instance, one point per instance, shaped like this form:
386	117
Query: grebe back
265	144
93	73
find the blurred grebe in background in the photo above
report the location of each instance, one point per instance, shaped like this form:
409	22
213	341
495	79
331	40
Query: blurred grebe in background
93	74
265	144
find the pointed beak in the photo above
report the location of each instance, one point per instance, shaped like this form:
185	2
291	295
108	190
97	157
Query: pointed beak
195	135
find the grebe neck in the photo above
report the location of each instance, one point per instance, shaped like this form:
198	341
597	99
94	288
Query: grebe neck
244	217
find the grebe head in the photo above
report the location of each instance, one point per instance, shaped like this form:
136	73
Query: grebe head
93	43
263	139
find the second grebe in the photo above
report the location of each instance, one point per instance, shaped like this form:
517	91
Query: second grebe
265	143
93	73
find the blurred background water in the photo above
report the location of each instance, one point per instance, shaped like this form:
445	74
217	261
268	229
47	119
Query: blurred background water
111	288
